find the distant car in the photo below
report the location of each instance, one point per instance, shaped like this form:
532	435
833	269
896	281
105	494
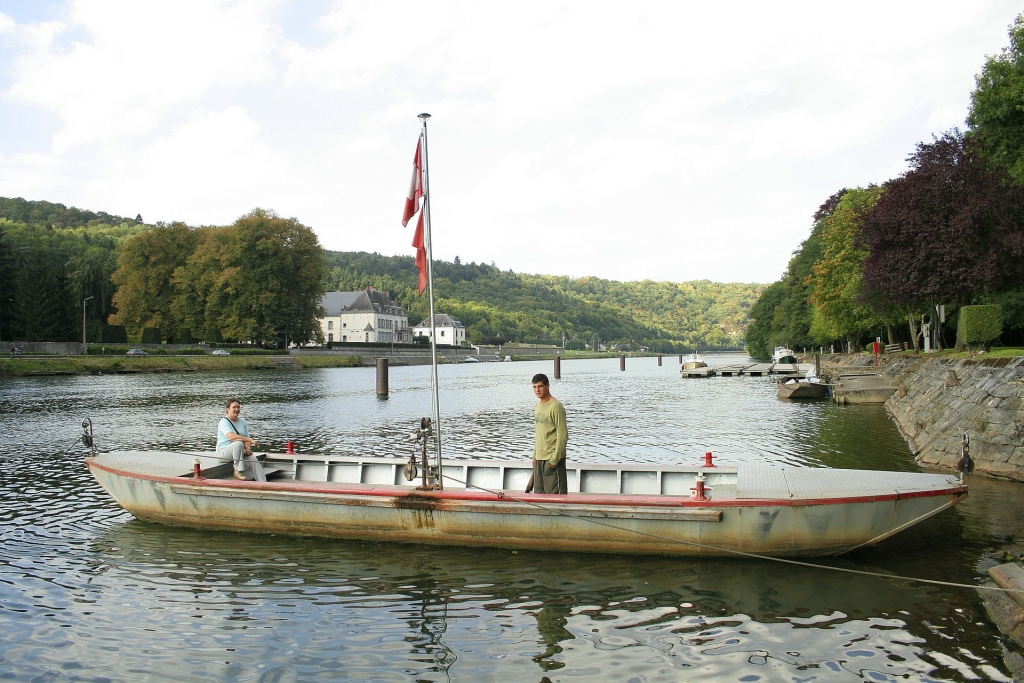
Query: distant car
220	352
136	352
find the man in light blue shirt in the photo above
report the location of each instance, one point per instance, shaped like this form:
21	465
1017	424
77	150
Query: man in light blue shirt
234	443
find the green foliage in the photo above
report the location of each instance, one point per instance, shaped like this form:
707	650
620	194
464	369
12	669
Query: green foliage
54	215
113	334
500	306
213	335
184	336
48	268
979	325
996	115
150	335
836	277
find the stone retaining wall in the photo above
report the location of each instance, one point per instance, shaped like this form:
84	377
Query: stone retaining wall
937	400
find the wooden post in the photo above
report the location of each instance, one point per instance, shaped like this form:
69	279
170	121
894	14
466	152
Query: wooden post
817	365
382	378
558	367
622	362
659	360
680	359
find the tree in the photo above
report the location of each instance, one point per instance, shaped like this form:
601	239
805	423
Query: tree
8	281
835	279
997	104
950	228
260	280
145	268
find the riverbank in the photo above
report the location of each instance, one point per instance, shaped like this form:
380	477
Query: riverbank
98	365
940	397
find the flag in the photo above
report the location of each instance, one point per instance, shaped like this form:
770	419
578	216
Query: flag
421	253
412	202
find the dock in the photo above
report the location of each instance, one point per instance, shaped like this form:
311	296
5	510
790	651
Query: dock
747	370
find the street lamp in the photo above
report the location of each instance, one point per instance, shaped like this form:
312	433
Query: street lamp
84	352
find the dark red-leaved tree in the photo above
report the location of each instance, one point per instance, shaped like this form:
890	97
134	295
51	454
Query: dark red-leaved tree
950	228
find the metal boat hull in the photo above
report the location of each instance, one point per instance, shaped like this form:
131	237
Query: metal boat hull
802	389
579	522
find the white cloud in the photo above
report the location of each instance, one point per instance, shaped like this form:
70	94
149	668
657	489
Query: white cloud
662	140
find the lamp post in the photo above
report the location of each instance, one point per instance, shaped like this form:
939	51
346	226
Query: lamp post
83	324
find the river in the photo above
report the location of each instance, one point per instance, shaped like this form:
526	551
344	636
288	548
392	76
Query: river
88	593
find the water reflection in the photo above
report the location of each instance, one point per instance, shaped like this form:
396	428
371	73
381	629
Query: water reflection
85	588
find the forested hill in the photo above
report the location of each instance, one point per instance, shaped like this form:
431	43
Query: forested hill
20	210
497	304
58	262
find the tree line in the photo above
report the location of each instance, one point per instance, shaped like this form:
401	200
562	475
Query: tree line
500	306
949	231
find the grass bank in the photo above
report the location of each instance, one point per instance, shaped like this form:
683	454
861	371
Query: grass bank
96	365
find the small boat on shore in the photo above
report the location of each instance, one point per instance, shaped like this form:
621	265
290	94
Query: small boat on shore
693	361
703	510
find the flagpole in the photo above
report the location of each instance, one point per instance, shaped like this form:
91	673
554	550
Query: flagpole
430	284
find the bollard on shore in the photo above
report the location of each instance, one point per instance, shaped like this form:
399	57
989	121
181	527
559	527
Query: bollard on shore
382	378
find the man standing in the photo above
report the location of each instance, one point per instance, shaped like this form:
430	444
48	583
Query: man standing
552	436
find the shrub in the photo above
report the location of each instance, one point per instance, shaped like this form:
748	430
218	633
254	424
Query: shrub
150	335
979	325
184	336
113	334
213	335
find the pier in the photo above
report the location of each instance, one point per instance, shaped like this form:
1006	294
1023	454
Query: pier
748	370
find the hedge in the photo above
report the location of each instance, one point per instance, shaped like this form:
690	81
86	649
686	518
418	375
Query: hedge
213	335
150	335
979	325
113	334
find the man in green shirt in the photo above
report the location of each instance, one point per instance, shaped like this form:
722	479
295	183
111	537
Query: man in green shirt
552	436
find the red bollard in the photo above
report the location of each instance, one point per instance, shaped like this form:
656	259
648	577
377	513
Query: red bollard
707	460
197	470
291	448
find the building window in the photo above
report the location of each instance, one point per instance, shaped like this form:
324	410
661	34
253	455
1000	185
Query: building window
330	337
367	336
442	333
330	324
344	338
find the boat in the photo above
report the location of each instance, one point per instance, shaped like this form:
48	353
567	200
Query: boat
693	361
784	355
706	509
803	388
675	510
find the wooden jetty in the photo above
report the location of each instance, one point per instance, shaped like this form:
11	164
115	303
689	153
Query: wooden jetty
698	372
758	370
732	370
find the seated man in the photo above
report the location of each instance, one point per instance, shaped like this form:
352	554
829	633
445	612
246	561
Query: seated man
235	444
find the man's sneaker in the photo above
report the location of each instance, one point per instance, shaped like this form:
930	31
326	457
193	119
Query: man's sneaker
239	475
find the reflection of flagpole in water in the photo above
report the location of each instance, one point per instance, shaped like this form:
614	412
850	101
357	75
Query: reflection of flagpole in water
435	646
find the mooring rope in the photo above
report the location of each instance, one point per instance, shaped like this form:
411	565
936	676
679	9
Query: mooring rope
799	563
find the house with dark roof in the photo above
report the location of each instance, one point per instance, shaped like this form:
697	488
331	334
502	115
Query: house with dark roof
365	316
449	330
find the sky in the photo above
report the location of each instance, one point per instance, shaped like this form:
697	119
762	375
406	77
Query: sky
669	141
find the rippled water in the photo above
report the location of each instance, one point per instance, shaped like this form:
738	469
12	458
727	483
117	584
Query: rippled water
89	593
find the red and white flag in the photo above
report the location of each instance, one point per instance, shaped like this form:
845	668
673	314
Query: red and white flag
412	202
421	253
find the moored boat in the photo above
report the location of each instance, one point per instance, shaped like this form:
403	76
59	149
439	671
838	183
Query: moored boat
802	388
702	510
784	355
693	361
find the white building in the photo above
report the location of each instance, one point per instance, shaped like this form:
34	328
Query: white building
449	331
363	317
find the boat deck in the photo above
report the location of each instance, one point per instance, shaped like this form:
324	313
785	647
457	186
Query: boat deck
723	483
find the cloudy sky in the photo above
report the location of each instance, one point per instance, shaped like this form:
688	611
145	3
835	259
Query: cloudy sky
647	140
